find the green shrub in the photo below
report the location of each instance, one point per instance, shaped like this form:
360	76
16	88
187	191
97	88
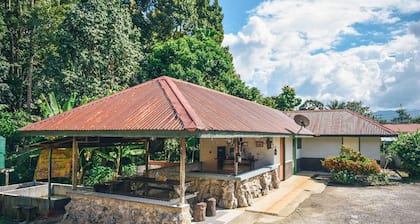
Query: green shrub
99	174
345	167
129	169
407	147
343	176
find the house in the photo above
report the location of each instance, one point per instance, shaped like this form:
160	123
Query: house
334	128
245	147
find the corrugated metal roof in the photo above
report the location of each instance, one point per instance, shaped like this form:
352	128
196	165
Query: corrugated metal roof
167	104
403	127
341	123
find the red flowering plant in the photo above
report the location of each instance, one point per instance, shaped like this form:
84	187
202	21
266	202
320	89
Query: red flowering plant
351	166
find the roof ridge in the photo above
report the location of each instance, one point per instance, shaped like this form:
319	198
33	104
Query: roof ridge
182	107
373	122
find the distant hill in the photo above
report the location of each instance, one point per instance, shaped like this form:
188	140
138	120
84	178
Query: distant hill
390	114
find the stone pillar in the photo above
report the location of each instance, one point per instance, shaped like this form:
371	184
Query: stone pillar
211	207
199	211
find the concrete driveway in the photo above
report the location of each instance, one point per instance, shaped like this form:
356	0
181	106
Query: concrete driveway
356	205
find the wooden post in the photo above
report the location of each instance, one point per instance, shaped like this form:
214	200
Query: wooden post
49	176
75	164
147	156
182	172
235	157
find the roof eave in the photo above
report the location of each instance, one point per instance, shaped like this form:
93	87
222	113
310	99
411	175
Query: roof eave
158	133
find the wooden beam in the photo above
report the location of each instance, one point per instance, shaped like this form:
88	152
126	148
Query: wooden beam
182	172
147	146
75	164
235	155
49	176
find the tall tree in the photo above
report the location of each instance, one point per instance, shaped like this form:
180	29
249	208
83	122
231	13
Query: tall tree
403	117
286	100
5	92
356	106
30	26
312	105
161	20
203	62
99	52
335	104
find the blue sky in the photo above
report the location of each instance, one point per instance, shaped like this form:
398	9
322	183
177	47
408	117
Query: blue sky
326	50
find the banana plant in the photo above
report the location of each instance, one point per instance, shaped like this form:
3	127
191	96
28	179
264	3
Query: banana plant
50	106
118	154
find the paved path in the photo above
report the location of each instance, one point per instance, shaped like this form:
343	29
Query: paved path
278	204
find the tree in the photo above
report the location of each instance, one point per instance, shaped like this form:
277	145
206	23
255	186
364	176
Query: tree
162	20
287	100
312	105
356	106
407	147
203	62
51	107
99	52
30	28
5	93
335	104
403	117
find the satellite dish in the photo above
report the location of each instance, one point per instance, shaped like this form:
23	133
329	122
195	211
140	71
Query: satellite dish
301	120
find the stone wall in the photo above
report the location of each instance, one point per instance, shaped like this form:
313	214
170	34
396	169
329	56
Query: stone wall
236	192
104	208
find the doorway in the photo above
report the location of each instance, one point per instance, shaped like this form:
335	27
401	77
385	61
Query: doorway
282	160
221	157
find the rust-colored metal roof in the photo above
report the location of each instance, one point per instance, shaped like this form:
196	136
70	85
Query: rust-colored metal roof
166	105
342	123
403	127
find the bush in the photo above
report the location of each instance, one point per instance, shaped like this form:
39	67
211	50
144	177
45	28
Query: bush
98	175
129	169
345	167
407	147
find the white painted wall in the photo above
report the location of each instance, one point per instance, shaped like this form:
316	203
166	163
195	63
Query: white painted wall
208	152
352	142
370	147
263	156
320	147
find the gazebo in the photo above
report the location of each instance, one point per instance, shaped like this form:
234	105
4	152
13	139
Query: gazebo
168	108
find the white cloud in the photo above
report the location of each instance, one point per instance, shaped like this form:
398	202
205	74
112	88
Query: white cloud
293	43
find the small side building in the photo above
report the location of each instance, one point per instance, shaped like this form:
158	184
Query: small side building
334	128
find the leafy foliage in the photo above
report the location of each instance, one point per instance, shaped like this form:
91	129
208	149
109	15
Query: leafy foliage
203	62
163	20
51	107
286	100
403	117
9	123
99	174
345	167
312	105
407	147
99	52
356	106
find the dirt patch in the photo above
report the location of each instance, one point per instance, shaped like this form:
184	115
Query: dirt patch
380	204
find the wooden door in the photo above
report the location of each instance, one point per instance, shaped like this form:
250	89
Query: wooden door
282	160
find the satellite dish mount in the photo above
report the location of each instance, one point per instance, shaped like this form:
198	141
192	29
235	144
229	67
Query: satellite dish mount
302	121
